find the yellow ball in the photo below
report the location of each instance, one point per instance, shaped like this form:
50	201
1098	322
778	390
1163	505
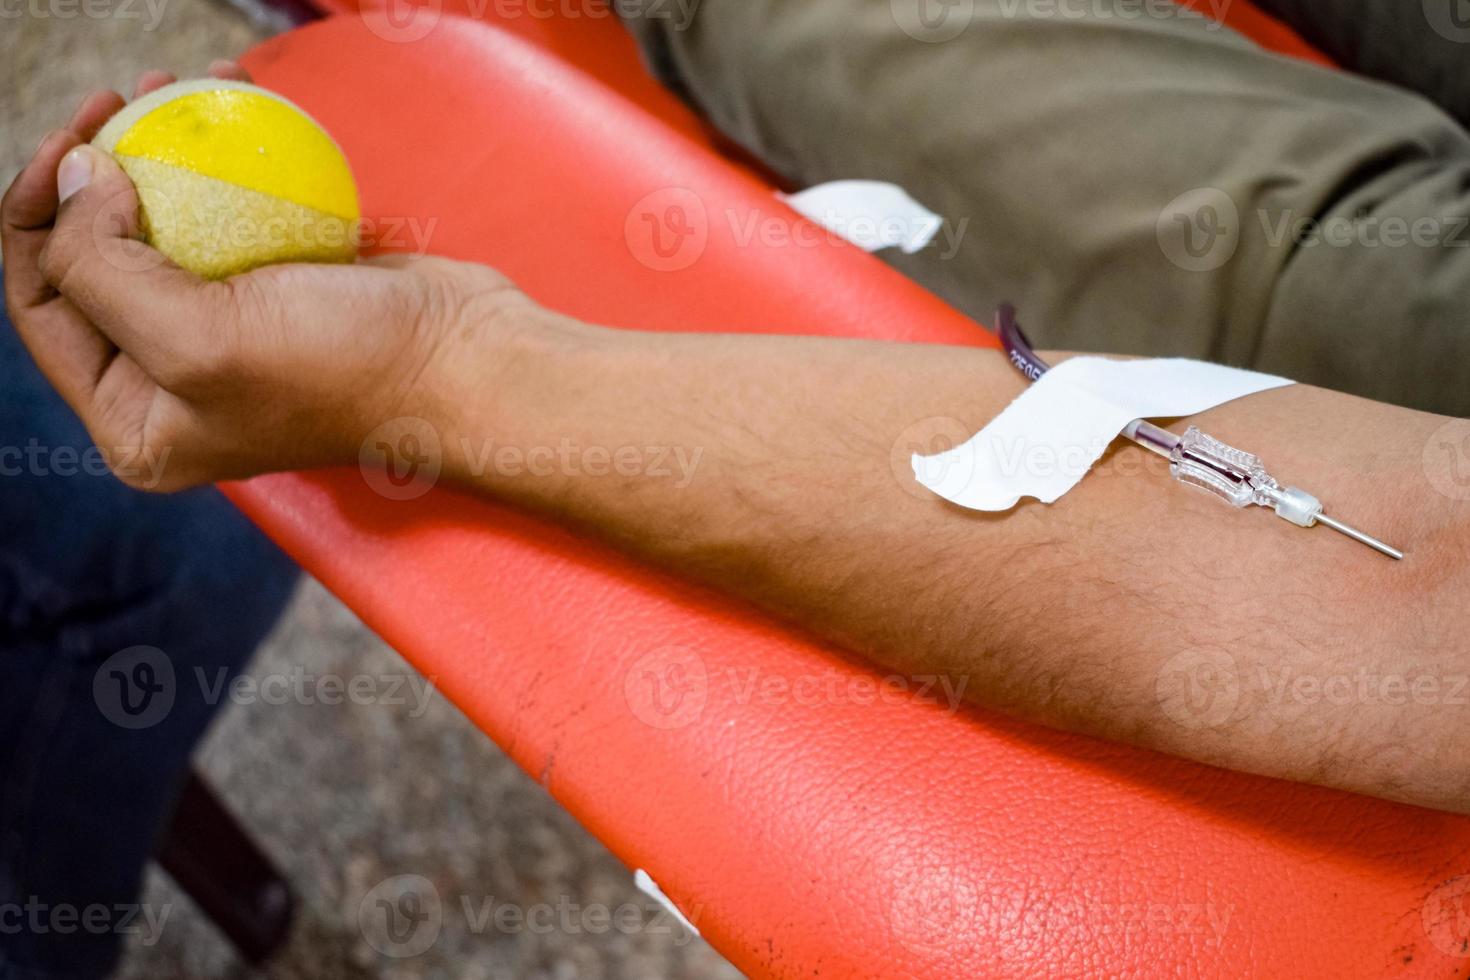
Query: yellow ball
231	177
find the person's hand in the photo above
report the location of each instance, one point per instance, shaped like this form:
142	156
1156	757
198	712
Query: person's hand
182	381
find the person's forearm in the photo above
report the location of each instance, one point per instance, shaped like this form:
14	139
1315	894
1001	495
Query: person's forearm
777	468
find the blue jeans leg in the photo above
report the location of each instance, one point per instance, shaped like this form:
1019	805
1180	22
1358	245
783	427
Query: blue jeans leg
120	614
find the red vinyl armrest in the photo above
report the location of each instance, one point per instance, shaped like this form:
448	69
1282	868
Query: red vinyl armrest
814	818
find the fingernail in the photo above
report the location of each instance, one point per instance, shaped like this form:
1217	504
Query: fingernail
44	140
74	173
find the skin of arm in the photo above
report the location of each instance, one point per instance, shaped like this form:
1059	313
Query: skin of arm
1108	612
1096	614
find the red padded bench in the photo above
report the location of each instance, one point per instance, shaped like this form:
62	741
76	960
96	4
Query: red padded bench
852	836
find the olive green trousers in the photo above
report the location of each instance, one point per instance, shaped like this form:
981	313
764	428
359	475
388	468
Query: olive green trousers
1134	177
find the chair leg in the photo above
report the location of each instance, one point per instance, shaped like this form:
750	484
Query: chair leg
215	862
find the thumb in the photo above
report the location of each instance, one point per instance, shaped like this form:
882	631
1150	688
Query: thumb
97	227
95	258
88	169
98	208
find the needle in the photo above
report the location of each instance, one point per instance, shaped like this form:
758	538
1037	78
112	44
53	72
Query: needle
1200	461
1163	442
1357	535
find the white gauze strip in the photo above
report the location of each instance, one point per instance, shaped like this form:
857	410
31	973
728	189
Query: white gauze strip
1048	438
872	214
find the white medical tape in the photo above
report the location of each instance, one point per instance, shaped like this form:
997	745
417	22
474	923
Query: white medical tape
871	214
1048	438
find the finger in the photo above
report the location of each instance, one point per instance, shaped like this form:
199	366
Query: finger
26	215
228	70
95	110
70	352
73	355
150	308
151	81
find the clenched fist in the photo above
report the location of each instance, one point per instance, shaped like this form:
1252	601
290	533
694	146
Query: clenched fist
286	367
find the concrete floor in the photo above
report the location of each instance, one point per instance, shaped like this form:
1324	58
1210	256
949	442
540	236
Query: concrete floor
347	798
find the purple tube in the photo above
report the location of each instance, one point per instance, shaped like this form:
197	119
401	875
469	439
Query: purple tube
1017	347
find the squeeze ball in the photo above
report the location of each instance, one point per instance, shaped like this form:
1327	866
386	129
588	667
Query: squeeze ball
231	177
